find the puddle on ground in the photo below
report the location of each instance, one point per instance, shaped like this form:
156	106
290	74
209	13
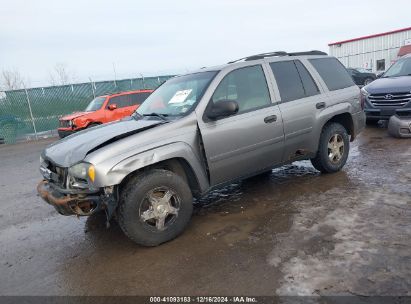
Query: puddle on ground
293	231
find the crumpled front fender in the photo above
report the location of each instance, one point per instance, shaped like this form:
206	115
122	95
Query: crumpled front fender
170	151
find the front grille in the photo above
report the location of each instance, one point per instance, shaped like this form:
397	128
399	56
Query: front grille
60	174
390	99
64	123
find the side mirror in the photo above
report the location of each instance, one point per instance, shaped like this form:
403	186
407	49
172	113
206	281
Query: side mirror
223	108
112	107
379	75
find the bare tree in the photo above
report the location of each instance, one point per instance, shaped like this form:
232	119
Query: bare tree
11	80
61	75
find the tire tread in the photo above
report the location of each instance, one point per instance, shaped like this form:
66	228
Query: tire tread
321	161
137	181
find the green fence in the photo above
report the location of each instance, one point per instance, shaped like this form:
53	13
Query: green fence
35	112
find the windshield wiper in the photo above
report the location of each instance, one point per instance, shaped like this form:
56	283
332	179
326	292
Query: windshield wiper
162	116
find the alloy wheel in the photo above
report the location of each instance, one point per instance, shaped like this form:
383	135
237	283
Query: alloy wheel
335	148
160	208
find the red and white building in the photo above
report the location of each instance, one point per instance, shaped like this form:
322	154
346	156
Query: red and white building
374	52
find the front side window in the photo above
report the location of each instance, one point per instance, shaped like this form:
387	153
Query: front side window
95	104
247	86
177	96
333	73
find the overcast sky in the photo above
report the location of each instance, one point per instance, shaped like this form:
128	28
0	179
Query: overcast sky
160	37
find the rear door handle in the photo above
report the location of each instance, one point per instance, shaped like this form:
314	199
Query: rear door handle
320	105
270	119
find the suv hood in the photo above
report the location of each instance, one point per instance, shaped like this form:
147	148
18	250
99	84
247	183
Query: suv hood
74	148
74	115
390	85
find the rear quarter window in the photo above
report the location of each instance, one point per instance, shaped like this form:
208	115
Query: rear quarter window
333	73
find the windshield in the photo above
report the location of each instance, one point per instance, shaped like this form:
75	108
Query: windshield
400	68
95	104
178	96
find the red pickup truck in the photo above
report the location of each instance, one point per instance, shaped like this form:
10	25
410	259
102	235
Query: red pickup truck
102	109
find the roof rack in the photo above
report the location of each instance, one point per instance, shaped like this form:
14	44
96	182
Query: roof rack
278	53
260	56
312	53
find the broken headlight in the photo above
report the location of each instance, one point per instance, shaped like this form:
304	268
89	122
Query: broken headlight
82	171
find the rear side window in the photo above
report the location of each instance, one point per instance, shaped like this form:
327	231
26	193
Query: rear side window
121	101
333	73
288	80
310	88
138	98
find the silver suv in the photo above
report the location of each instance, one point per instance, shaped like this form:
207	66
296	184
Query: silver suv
200	131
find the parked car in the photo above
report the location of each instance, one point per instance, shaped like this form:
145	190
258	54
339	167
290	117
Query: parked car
102	109
390	94
361	76
200	131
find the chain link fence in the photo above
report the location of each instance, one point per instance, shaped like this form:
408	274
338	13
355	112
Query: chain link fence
33	113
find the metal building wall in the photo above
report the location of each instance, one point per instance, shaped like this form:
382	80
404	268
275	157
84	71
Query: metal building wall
364	53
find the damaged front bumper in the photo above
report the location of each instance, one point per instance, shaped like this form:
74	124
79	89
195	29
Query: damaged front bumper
77	203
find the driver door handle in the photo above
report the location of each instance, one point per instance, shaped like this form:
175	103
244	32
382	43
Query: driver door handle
320	105
270	119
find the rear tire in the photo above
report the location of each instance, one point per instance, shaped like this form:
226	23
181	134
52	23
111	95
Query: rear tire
155	207
333	149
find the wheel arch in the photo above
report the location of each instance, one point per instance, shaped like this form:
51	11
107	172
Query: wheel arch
92	122
177	165
341	115
345	119
178	157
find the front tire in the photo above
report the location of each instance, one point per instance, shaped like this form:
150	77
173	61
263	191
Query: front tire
155	207
333	149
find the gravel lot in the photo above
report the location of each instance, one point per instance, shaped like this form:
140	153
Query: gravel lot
294	232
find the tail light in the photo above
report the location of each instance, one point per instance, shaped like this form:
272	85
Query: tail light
362	101
363	97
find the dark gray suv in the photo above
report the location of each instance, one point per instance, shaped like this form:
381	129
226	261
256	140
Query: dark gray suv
390	94
200	131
